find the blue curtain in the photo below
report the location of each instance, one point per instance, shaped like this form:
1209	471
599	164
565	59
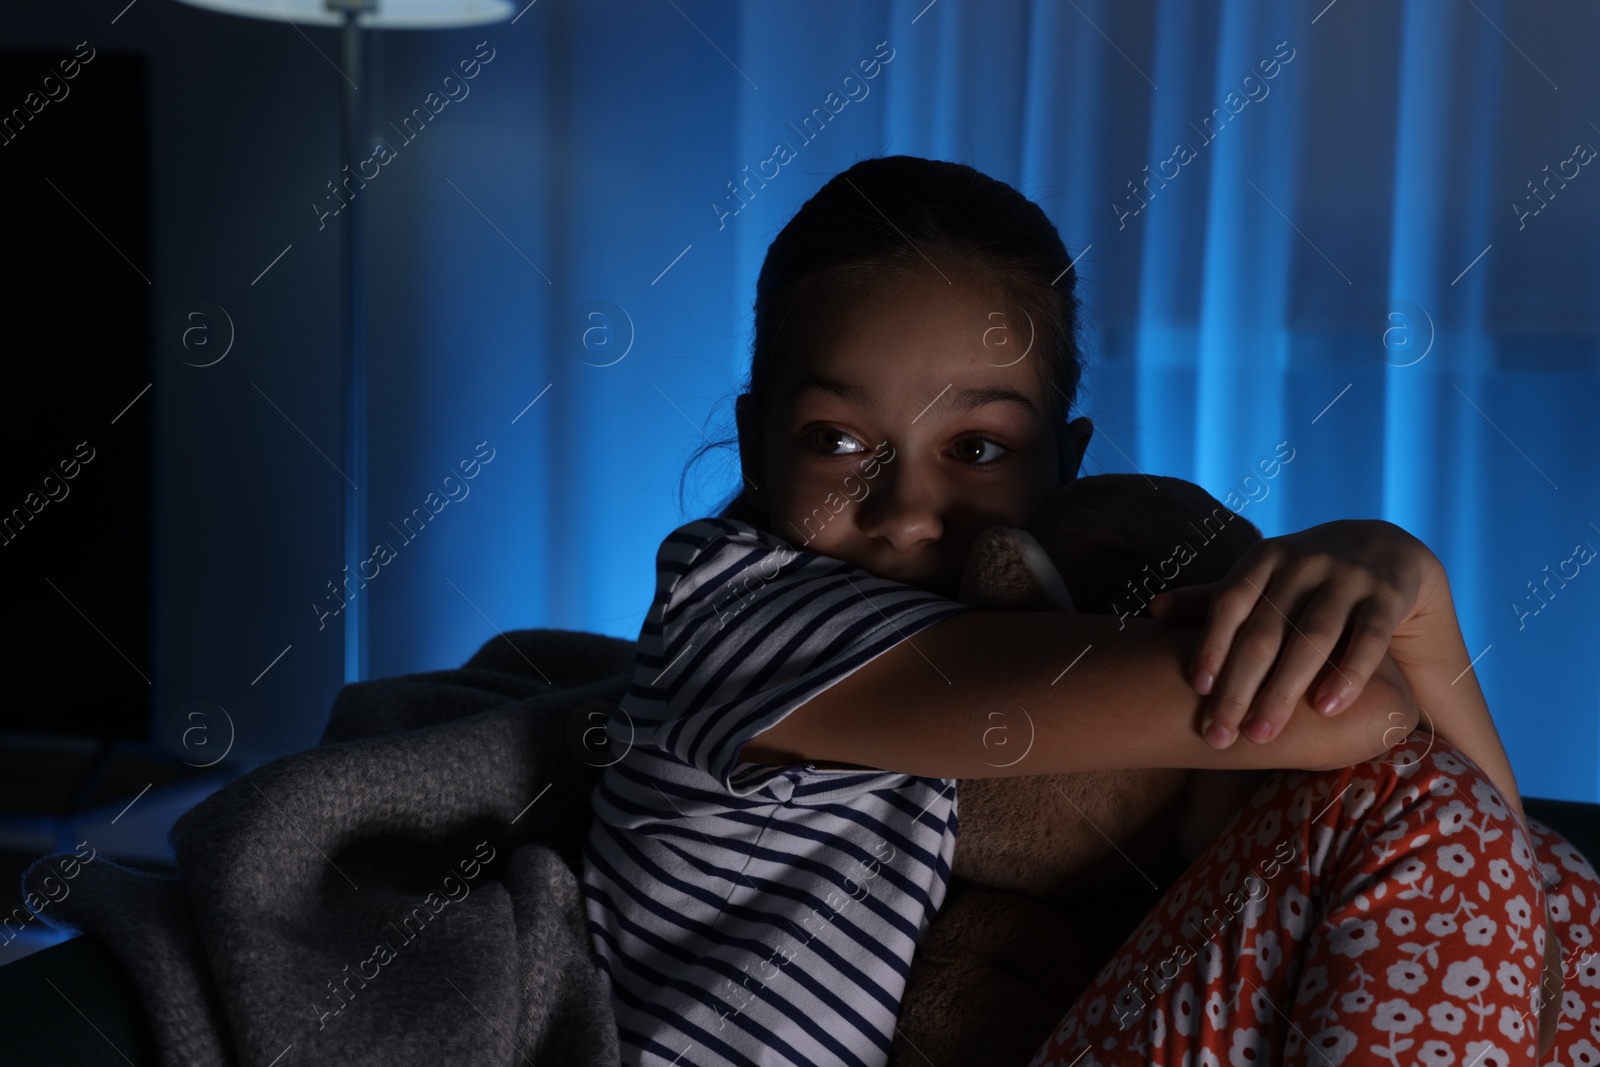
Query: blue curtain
1359	235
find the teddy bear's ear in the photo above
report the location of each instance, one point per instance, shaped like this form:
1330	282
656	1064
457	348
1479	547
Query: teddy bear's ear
1007	569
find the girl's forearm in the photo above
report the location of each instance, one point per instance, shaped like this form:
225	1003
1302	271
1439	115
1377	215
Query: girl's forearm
1433	656
1074	692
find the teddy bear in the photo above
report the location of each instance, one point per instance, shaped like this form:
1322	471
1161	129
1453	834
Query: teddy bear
1052	872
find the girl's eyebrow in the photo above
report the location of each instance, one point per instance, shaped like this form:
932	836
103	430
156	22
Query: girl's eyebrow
959	400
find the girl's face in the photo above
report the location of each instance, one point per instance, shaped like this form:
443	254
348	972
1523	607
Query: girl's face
902	426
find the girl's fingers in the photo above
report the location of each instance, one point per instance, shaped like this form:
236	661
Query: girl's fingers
1371	629
1232	601
1251	656
1262	650
1312	642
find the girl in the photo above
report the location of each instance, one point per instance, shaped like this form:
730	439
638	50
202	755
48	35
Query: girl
777	834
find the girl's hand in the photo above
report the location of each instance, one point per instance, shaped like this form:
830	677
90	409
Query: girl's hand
1287	607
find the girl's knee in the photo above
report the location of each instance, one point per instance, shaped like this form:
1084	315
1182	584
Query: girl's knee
1470	826
1425	768
1423	795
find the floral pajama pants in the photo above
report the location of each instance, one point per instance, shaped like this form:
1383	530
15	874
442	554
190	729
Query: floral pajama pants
1391	911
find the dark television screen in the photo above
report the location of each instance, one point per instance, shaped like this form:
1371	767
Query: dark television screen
76	414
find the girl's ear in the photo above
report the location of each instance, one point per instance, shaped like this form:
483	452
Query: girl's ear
1073	441
750	451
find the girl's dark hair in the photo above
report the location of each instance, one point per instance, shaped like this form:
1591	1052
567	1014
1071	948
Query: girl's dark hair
893	217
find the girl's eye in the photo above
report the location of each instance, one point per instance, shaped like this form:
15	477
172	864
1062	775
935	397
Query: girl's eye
826	434
976	461
995	451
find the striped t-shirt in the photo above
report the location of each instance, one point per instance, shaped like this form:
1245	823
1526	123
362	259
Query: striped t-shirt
744	913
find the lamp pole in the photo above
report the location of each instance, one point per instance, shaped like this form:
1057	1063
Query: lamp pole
353	361
347	15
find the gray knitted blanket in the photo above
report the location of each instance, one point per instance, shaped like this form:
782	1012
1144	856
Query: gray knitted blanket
406	892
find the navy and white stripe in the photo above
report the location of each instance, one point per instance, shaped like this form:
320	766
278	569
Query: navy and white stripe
743	913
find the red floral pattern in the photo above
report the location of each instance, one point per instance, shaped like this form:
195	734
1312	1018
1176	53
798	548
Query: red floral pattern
1383	912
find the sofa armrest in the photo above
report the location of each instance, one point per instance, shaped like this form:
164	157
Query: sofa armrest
1576	821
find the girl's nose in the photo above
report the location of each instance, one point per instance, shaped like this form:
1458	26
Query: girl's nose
902	509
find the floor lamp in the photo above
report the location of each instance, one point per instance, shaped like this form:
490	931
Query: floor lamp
352	17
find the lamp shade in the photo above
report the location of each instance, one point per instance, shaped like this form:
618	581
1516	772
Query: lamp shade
389	14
